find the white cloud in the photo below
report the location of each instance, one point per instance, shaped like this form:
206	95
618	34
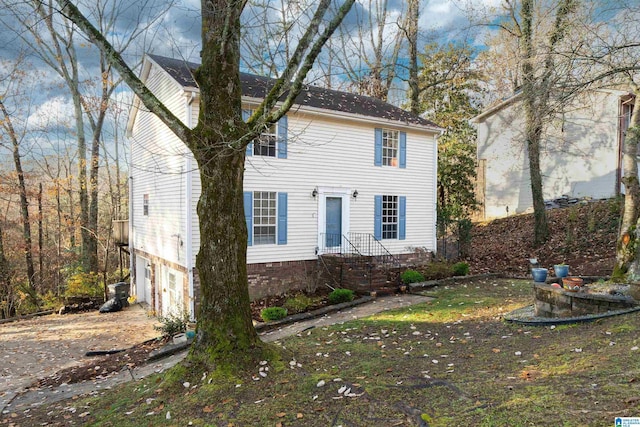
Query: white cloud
53	112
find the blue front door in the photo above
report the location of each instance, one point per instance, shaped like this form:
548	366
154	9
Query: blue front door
333	228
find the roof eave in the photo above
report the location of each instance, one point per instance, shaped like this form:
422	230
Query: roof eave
352	116
135	107
496	108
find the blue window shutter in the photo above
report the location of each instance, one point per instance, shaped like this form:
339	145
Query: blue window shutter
248	215
245	116
402	218
282	218
377	161
403	150
377	217
282	137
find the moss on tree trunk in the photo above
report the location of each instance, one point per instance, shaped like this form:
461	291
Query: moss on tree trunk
225	335
627	266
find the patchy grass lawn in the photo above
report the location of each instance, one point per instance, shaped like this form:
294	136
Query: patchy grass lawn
447	363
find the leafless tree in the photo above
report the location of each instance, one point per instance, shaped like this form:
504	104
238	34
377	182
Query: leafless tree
14	137
56	43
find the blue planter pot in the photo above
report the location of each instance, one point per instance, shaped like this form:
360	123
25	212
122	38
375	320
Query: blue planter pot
561	270
539	275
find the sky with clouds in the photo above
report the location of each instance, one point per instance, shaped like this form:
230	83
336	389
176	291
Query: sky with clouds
174	30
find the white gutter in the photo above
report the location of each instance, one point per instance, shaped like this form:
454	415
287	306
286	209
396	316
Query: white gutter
496	107
189	214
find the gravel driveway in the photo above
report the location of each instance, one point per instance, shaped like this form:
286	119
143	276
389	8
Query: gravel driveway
38	347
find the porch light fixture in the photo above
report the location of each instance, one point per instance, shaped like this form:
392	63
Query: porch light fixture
354	194
314	193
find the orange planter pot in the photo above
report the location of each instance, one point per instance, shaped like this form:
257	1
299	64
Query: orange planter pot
572	283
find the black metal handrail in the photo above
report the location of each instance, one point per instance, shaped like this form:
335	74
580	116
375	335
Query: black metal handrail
356	245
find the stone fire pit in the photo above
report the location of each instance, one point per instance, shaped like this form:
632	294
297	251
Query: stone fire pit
554	302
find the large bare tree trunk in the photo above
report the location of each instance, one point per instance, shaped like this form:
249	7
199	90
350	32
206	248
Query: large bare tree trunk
533	124
224	319
536	92
413	16
627	252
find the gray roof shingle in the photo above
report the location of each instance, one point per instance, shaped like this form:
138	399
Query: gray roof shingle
257	87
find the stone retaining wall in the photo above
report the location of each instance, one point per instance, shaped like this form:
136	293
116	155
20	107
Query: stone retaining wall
556	302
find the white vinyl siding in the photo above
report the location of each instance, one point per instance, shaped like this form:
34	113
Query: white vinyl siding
158	169
336	153
339	154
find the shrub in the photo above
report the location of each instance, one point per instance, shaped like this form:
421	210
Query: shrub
273	313
340	295
460	269
298	303
173	324
411	276
84	284
437	270
51	301
464	236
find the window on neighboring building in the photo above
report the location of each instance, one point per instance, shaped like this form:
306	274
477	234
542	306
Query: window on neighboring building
389	147
389	217
264	217
145	204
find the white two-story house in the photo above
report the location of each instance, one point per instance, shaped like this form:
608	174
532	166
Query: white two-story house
338	171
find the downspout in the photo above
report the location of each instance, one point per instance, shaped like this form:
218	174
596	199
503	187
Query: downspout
189	215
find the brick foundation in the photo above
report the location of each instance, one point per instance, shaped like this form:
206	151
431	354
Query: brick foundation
362	274
273	278
276	278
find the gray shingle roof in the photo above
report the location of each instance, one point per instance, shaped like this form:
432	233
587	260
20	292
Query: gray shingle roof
257	87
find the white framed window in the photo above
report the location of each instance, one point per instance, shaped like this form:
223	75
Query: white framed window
264	217
390	147
389	217
266	143
173	289
145	204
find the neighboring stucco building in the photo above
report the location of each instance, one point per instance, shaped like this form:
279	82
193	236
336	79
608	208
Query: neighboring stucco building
580	156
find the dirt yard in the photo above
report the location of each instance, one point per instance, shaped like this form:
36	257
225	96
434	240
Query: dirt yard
36	348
